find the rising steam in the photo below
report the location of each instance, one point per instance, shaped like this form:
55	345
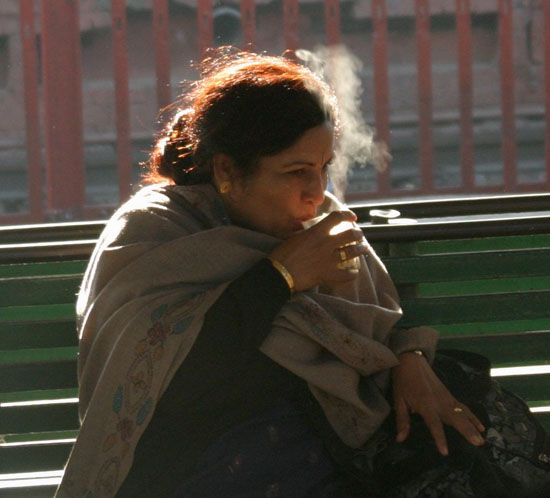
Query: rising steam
356	144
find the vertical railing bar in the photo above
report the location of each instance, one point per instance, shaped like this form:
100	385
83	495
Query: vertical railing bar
122	98
62	85
248	15
546	38
205	25
424	64
507	86
465	85
381	86
332	21
161	31
291	18
32	119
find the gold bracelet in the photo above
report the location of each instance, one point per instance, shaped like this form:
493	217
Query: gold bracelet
285	273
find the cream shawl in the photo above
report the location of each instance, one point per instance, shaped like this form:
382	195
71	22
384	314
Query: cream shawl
161	262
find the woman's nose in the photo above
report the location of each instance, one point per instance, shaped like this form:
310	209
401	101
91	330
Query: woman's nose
314	190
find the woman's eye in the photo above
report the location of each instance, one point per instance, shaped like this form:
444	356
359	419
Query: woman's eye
297	172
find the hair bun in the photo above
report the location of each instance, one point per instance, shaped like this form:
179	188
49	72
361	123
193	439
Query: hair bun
173	154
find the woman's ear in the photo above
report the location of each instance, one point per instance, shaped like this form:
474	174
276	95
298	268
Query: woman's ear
223	168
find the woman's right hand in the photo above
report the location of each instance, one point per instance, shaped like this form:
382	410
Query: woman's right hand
313	256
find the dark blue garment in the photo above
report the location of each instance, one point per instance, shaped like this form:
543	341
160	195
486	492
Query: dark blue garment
273	455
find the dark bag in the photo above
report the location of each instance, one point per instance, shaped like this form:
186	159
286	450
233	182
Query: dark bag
513	463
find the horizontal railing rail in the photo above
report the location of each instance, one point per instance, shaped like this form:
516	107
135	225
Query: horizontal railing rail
416	220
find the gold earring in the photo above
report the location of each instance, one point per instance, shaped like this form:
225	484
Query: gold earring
225	187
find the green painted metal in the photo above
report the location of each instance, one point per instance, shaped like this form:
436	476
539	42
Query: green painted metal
39	418
16	270
35	335
484	244
39	290
489	286
51	355
544	419
33	458
38	313
51	394
17	377
49	437
512	349
479	308
496	327
532	388
469	266
542	402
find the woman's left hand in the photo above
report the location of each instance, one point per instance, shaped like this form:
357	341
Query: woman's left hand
417	389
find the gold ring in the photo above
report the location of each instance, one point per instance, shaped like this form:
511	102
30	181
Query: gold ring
343	255
457	409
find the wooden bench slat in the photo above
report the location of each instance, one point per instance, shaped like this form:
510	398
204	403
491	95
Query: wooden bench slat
38	335
31	377
28	291
482	308
507	350
16	270
58	417
39	395
29	492
484	243
46	251
44	232
38	313
528	387
33	458
37	439
497	327
38	356
487	286
451	267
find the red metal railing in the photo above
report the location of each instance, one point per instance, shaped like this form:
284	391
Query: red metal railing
546	39
63	107
32	119
466	101
122	98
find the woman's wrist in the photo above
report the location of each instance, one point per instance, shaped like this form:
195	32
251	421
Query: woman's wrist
284	272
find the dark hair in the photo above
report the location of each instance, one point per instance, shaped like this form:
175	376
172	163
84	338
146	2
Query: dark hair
244	105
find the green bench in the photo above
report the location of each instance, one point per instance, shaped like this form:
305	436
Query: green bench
484	283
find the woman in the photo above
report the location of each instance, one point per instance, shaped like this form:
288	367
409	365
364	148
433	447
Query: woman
227	351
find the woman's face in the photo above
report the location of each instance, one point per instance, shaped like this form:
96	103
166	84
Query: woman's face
286	188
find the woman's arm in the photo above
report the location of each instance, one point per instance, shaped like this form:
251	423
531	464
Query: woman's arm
213	388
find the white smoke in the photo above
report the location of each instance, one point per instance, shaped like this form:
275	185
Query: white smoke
355	143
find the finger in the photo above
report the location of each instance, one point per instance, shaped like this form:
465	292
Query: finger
343	275
464	422
350	236
335	218
354	250
351	251
402	421
435	425
479	425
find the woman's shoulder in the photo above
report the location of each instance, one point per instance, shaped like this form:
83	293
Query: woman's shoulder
156	213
